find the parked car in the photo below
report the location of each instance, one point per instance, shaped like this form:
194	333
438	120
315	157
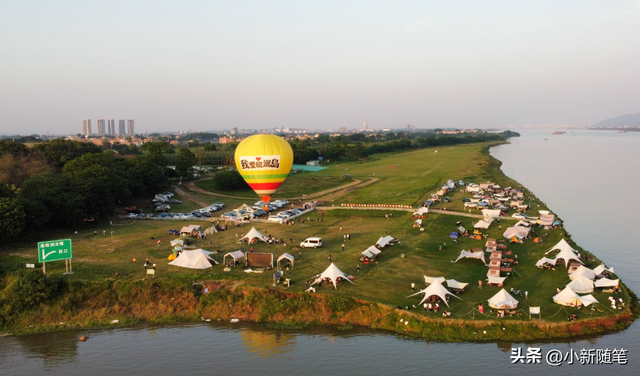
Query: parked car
313	242
519	216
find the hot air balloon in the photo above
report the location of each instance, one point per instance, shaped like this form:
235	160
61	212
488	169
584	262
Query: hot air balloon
264	161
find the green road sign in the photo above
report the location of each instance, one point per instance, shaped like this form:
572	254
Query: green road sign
54	250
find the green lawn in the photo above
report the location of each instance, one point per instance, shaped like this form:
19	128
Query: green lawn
387	281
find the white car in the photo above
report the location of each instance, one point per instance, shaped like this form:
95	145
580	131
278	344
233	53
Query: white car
519	216
314	242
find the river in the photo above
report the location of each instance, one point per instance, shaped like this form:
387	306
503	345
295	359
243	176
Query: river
588	178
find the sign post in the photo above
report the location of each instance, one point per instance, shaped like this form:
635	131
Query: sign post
55	250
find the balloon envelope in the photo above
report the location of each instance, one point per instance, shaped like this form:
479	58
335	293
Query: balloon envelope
264	161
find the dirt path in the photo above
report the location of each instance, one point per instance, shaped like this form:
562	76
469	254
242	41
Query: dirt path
327	194
190	197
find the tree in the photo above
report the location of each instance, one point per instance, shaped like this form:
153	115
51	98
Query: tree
229	181
186	161
58	152
156	151
12	218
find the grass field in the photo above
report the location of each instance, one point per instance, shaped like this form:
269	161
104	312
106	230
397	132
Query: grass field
406	178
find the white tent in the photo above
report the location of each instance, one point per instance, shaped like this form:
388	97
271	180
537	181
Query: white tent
483	223
503	300
587	300
566	255
421	211
453	284
601	268
491	213
562	245
544	212
177	242
235	255
606	282
191	229
254	234
382	242
547	219
196	259
581	285
437	289
519	232
333	273
429	280
285	256
371	252
567	297
418	221
475	255
495	280
583	271
545	260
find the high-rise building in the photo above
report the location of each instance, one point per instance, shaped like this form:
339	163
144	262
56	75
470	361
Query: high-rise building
121	126
130	127
86	127
365	126
111	127
100	127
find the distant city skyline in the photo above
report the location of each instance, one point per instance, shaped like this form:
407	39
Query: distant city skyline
209	66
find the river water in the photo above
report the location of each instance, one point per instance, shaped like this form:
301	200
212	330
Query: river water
588	178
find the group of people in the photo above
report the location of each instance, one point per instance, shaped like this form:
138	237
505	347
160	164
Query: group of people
615	301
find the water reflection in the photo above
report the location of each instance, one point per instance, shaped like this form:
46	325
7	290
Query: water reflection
267	344
52	348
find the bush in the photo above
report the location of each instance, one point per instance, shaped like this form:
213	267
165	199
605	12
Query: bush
31	288
340	303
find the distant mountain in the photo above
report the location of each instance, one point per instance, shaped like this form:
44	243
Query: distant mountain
632	120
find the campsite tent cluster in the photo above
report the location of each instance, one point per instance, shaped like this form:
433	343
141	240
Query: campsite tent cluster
582	279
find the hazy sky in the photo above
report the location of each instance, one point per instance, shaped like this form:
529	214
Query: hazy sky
210	65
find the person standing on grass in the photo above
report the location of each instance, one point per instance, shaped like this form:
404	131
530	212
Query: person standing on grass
413	287
154	266
479	284
329	256
343	246
358	267
134	261
526	294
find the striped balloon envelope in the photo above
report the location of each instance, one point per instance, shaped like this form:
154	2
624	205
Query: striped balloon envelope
264	161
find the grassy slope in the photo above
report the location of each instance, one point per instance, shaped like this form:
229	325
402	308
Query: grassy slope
387	281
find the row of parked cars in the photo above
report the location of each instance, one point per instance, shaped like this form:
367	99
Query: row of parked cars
195	214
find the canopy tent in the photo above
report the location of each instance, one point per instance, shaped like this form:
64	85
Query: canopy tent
522	223
601	268
491	213
421	211
475	255
545	260
495	280
190	230
503	300
581	285
371	252
606	282
437	289
254	234
235	255
519	232
453	284
566	255
285	256
453	235
483	223
567	297
544	212
384	241
418	221
333	274
462	230
177	242
429	280
196	259
562	245
587	300
583	271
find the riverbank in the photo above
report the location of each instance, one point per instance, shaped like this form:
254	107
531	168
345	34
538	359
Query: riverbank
88	301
